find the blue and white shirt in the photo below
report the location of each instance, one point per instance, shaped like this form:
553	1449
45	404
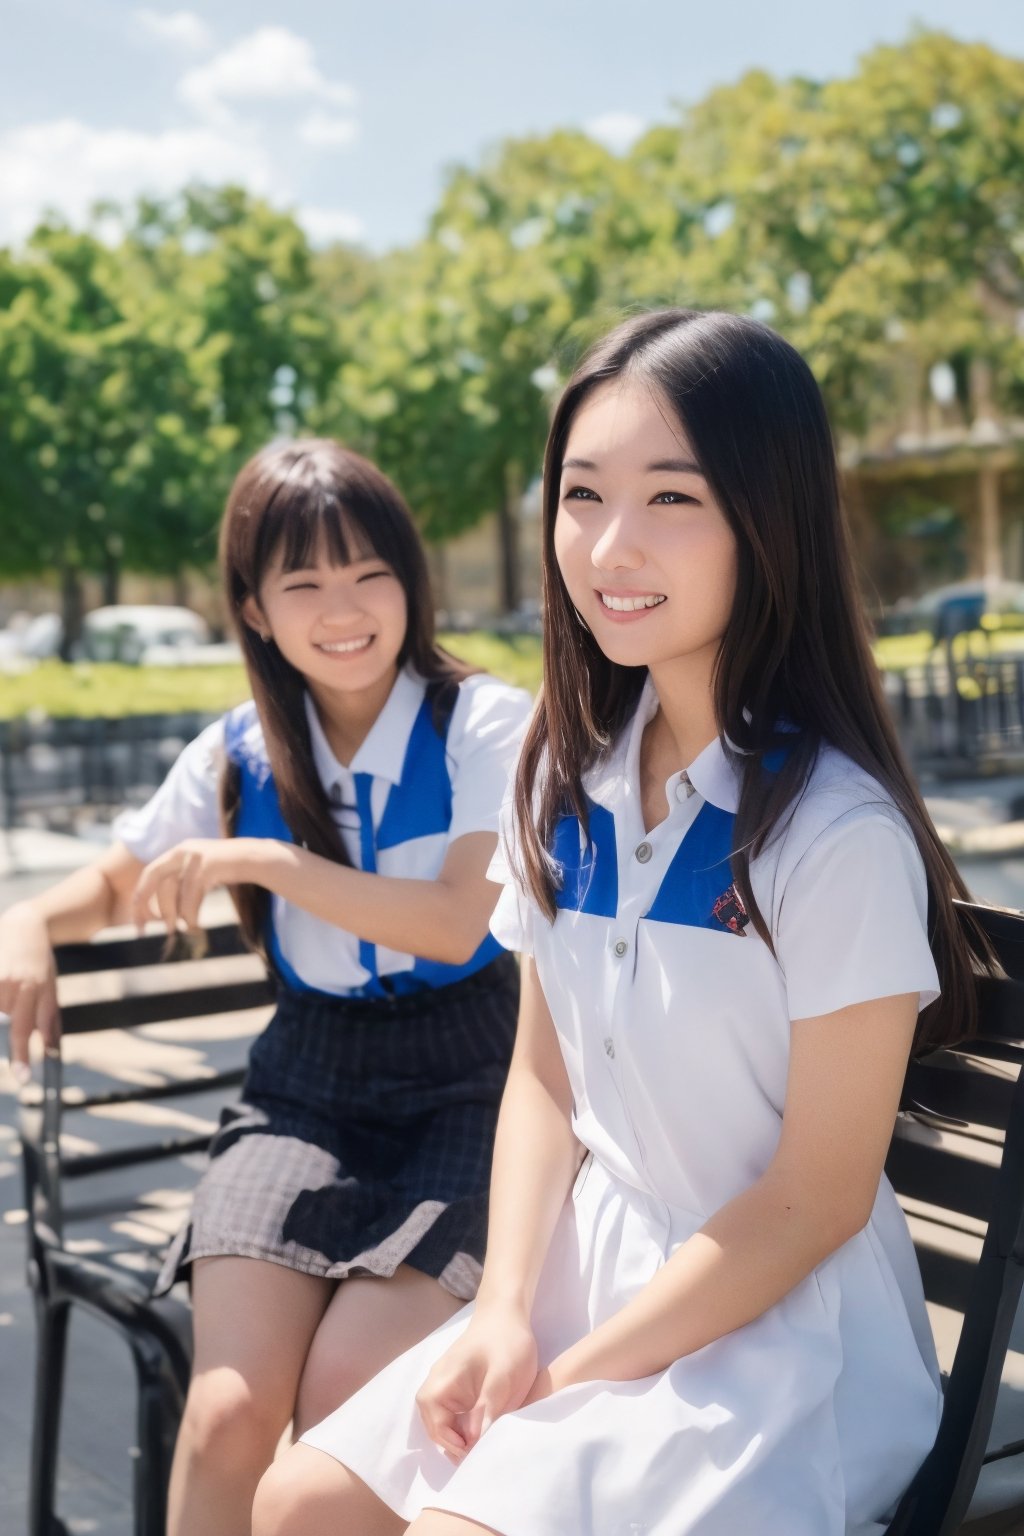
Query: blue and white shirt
483	736
672	1013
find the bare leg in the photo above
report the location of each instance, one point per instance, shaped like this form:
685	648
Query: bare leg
253	1323
368	1324
308	1493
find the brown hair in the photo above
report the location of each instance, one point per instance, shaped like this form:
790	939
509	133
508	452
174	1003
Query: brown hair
795	648
294	500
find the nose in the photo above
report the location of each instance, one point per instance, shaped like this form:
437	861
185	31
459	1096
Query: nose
616	547
340	607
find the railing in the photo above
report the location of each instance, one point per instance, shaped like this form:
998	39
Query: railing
961	714
51	769
955	714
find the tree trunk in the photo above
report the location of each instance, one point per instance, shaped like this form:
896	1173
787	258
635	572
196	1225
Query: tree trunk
508	538
181	588
111	580
437	562
71	608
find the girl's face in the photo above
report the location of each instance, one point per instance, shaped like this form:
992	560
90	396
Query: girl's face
646	554
341	626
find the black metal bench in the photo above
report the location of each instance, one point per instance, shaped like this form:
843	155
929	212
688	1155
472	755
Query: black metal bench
957	1162
117	984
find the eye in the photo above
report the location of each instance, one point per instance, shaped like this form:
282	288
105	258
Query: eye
372	575
676	499
580	493
301	586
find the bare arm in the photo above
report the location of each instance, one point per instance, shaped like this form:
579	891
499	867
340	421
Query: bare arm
444	919
536	1155
493	1366
76	908
846	1073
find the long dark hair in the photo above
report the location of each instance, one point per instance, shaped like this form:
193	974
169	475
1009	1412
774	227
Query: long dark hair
795	649
296	500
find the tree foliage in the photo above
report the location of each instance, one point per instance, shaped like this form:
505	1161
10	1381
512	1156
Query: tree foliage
877	220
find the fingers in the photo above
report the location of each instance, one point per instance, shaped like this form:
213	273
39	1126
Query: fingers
455	1417
439	1415
23	1017
167	900
142	896
174	885
191	891
158	887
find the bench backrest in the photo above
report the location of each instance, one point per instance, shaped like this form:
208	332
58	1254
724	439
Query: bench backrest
116	983
957	1164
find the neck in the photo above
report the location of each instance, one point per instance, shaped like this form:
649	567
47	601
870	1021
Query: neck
347	718
686	704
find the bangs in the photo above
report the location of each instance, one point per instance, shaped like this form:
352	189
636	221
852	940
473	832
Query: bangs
303	525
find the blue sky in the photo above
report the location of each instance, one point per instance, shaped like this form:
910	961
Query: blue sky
350	113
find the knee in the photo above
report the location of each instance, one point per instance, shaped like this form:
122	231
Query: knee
224	1425
289	1500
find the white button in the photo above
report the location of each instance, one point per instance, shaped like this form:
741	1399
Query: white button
609	1047
643	853
684	789
621	947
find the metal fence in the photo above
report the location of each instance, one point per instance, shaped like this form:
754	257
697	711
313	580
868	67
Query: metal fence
955	715
52	770
961	714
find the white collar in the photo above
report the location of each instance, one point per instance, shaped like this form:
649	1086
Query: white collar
382	754
714	773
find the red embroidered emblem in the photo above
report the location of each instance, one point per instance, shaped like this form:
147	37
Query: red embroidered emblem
730	911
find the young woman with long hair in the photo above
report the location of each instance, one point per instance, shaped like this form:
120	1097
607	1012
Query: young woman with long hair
700	1312
352	808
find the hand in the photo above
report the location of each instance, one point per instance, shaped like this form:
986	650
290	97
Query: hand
28	983
172	887
487	1372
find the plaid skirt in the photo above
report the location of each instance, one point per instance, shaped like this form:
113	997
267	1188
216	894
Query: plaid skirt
363	1140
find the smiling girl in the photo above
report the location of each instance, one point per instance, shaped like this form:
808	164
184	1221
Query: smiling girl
344	1210
700	1313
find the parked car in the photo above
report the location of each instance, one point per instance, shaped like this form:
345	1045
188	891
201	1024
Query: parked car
126	631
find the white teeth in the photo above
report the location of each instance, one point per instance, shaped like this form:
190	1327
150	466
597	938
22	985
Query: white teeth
345	645
629	604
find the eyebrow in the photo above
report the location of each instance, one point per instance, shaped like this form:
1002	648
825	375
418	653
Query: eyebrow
660	466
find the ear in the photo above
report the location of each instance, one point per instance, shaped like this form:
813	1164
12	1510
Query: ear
253	615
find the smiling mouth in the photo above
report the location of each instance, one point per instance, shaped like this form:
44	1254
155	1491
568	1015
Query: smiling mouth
345	647
623	604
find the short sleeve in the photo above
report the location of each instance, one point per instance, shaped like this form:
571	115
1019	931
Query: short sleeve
512	918
187	804
487	727
853	920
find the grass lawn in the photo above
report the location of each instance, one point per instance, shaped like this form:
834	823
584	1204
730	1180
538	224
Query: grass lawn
89	689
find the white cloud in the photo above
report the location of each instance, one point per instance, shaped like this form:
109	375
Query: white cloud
617	131
325	130
270	64
325	226
67	165
184	29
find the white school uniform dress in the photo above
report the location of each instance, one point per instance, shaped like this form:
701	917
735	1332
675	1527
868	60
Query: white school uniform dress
674	1019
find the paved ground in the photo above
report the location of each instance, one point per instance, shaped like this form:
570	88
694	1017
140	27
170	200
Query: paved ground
98	1434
